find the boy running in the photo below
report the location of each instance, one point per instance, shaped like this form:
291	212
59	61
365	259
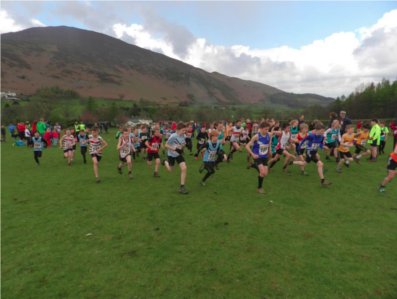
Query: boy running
175	145
315	140
212	150
37	147
360	142
391	168
202	138
83	139
260	144
282	149
97	144
153	146
235	140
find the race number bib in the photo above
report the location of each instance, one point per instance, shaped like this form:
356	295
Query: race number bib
125	150
263	149
315	146
212	155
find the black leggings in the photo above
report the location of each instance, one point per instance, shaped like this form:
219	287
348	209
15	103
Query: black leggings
36	156
209	166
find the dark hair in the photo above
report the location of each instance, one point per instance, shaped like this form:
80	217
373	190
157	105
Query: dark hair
264	124
318	125
180	126
374	120
95	129
285	125
366	126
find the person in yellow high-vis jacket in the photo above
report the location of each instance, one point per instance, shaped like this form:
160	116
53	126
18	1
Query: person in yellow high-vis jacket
374	139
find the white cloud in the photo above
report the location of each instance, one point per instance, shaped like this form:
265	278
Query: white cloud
143	38
331	66
37	23
7	23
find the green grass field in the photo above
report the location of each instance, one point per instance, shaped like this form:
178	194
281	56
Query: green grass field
64	236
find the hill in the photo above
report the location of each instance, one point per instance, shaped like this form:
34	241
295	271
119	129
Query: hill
98	65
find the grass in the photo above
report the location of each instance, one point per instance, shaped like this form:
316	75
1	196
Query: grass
63	236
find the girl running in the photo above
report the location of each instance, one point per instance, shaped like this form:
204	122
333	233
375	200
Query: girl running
124	147
67	142
391	168
96	146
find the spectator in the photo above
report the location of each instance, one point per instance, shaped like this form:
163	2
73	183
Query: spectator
55	137
332	117
58	128
344	121
393	127
28	137
47	137
359	125
41	126
301	119
12	130
21	130
374	139
3	133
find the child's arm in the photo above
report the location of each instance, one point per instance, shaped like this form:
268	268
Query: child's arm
250	144
104	144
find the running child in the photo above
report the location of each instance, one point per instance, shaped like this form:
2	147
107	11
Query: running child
315	141
360	142
82	138
374	139
260	144
143	136
384	131
124	147
235	140
37	141
96	146
332	139
300	150
294	128
391	168
67	142
175	145
188	138
153	146
347	141
282	149
212	149
202	138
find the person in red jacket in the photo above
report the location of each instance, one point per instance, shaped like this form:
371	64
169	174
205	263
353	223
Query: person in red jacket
21	130
393	127
47	137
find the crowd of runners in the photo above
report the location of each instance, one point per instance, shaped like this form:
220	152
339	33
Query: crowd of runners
266	143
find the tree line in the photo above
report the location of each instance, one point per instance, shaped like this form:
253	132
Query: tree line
65	106
376	100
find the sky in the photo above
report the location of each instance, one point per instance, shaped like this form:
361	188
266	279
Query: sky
329	48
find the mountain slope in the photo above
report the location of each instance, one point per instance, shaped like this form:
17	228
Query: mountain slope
98	65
